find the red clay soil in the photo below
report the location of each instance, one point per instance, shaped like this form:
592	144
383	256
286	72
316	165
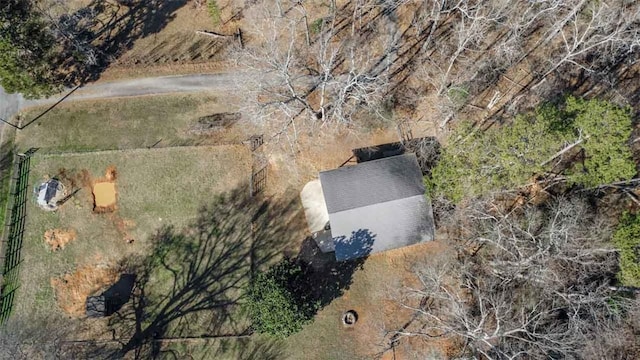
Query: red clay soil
57	239
71	290
104	191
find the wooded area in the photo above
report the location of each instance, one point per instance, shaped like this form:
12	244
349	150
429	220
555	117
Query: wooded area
524	175
535	187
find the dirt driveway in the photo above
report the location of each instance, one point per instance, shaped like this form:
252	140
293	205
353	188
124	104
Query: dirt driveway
10	104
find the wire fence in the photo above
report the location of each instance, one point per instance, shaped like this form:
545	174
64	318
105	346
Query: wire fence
12	243
259	180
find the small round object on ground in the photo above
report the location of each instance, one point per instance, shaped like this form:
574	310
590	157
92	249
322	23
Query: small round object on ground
349	318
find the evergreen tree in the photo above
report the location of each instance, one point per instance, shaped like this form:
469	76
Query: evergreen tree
550	139
27	50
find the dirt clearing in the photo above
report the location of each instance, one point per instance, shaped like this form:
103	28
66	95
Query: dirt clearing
104	194
374	295
57	239
71	290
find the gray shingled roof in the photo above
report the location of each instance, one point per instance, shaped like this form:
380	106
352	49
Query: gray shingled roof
377	205
372	182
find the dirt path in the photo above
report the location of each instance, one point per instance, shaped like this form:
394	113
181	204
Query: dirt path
10	104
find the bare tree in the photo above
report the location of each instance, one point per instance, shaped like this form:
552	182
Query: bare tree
536	285
608	29
73	28
330	70
306	83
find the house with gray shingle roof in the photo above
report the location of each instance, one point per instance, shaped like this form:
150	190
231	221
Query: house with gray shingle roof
375	206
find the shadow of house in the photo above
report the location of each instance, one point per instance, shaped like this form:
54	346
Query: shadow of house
328	278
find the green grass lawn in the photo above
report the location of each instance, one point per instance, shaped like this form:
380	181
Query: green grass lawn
155	188
125	123
194	251
255	347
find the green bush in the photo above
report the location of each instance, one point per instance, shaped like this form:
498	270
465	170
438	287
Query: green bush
498	158
214	11
316	26
606	129
627	240
458	96
278	300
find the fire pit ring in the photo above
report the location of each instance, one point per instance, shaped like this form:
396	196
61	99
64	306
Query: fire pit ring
349	318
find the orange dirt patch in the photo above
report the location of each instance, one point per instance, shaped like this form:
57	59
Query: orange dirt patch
111	173
72	289
57	239
104	191
104	196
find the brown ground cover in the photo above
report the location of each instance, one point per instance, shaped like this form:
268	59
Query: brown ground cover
72	289
57	239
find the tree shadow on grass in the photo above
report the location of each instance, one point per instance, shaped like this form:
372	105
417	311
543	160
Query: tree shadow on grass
190	284
192	280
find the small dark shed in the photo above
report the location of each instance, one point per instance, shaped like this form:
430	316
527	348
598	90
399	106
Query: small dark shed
96	306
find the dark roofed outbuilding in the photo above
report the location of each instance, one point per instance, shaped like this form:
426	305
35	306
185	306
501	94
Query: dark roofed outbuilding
96	306
377	205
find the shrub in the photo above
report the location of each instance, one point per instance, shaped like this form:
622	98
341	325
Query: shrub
214	11
627	240
278	300
316	26
606	129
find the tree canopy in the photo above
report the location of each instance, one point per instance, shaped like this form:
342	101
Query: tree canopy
585	140
605	128
277	302
27	50
627	240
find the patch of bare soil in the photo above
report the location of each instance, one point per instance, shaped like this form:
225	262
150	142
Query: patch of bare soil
384	315
104	192
74	180
104	195
178	48
57	239
292	166
537	194
71	290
